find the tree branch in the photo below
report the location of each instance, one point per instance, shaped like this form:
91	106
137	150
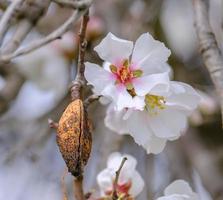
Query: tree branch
80	80
74	4
210	51
51	37
115	185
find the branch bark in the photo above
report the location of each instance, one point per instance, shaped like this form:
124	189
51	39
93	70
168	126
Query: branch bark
209	49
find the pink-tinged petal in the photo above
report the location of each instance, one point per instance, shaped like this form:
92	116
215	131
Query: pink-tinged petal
168	123
145	84
150	54
114	49
183	96
104	180
97	76
137	184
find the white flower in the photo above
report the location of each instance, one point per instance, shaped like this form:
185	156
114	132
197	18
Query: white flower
164	116
126	81
130	182
179	190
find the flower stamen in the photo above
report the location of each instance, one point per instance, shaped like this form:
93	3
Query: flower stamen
155	102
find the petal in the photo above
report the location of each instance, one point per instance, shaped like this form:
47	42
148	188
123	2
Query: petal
104	180
121	98
175	197
114	120
97	76
168	123
183	96
144	135
114	49
181	187
137	184
145	84
128	168
150	54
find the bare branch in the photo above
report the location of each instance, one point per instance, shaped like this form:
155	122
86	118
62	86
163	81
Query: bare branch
78	188
74	4
51	37
80	80
4	23
210	51
114	193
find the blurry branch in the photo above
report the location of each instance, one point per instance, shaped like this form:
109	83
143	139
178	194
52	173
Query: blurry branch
74	4
117	174
5	20
210	51
80	80
63	184
13	83
53	36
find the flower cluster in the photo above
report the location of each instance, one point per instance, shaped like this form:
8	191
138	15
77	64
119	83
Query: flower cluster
144	102
130	183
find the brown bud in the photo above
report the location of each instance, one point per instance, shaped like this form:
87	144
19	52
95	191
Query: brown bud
74	137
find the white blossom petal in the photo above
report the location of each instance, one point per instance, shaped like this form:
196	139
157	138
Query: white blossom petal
183	96
114	49
150	54
180	187
98	77
145	84
137	184
104	180
168	123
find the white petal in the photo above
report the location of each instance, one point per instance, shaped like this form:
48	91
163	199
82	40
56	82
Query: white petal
175	197
128	168
150	54
183	96
114	120
97	76
178	187
138	126
114	49
168	123
145	84
104	179
137	184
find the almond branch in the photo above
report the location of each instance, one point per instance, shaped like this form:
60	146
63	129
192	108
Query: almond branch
209	49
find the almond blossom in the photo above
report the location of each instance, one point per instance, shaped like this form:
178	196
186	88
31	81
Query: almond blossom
163	118
179	190
129	72
130	183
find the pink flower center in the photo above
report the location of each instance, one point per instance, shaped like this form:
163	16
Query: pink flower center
124	74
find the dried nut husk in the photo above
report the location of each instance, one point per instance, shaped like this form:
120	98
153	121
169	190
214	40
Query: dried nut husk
74	137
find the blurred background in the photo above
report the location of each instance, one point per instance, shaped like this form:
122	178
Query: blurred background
30	163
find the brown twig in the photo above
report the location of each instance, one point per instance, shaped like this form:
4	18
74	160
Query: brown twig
78	188
115	184
90	100
210	51
63	185
80	80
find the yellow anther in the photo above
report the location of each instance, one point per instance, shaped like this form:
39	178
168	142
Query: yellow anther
153	102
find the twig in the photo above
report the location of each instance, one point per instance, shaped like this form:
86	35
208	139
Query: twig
90	100
63	185
74	4
41	42
4	23
115	184
80	80
52	124
78	188
210	51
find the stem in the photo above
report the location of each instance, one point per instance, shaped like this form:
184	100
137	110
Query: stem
78	188
80	80
114	193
